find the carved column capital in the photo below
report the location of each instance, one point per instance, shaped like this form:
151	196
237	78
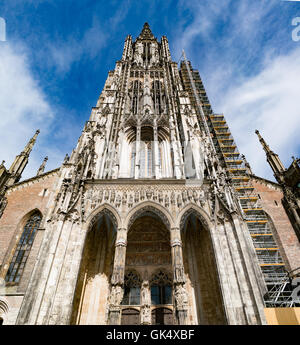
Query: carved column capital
176	242
121	243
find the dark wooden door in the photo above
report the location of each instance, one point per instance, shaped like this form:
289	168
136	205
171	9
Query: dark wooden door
162	316
130	316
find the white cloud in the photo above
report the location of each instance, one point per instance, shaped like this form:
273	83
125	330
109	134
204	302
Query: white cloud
269	102
23	107
238	48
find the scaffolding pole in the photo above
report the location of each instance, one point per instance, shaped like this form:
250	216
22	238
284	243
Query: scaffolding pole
198	101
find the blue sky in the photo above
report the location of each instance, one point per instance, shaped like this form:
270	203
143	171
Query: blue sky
57	54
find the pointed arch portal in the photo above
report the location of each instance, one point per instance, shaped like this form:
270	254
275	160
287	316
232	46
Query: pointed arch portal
96	265
201	272
148	254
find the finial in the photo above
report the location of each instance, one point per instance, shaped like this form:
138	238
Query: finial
42	167
262	141
66	159
257	132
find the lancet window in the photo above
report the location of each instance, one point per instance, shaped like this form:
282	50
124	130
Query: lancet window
136	89
157	96
21	254
161	289
132	289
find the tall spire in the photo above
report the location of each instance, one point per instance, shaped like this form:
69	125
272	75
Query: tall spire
272	158
146	33
21	161
29	146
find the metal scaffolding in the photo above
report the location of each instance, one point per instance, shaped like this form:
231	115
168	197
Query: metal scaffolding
259	227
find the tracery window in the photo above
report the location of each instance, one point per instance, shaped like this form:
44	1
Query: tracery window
136	90
132	289
161	289
146	159
157	96
19	259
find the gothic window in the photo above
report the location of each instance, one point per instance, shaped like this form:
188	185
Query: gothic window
157	96
19	259
134	104
161	289
135	89
146	159
146	55
149	159
146	152
142	159
132	289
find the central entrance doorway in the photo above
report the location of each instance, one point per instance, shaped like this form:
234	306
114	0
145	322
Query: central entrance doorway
148	296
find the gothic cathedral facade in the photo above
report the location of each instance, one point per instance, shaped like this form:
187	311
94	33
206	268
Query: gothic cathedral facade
151	220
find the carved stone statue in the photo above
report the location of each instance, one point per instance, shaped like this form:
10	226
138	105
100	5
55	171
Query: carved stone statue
145	293
180	296
116	295
138	53
146	315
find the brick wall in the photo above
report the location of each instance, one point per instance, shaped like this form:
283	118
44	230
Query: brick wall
22	200
270	197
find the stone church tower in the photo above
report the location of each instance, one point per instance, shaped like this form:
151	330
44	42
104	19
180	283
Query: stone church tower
151	218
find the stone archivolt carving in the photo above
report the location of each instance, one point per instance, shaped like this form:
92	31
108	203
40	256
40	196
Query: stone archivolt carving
129	196
198	215
107	212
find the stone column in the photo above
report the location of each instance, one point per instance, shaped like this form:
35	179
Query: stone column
180	294
117	279
137	151
156	152
146	303
175	159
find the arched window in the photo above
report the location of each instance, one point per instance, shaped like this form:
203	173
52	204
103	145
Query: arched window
132	289
158	96
161	289
135	93
19	259
146	159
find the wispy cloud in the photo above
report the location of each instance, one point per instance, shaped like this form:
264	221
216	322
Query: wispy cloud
268	101
24	108
23	105
249	66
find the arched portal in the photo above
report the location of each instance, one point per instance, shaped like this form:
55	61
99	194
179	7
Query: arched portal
203	287
148	254
89	305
